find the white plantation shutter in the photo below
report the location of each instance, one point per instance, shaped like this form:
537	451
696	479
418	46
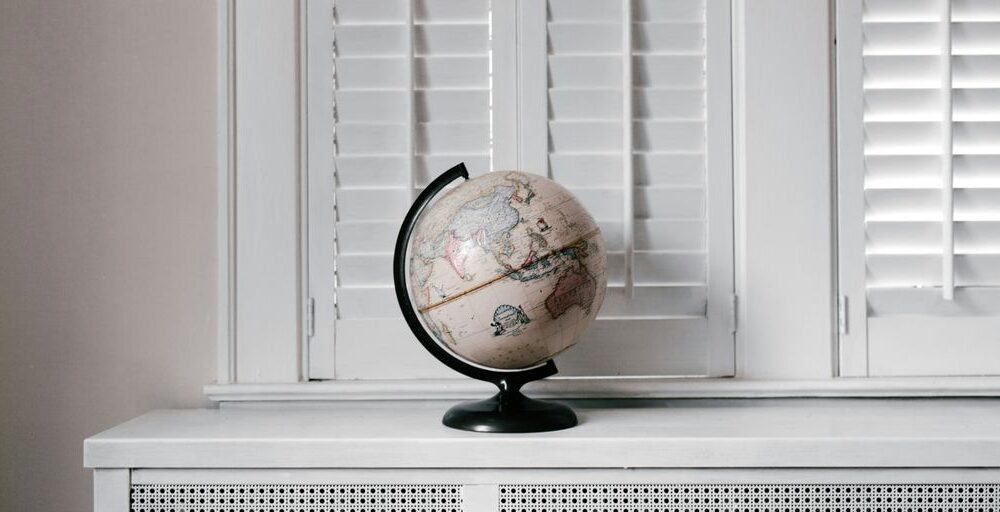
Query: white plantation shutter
673	232
920	220
412	99
648	189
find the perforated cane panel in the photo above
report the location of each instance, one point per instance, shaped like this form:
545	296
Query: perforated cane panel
296	498
740	498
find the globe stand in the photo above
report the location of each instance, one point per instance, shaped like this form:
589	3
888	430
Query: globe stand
508	410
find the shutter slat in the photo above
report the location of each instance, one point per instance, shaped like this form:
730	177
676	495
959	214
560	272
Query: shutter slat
604	170
371	138
977	138
381	40
601	71
450	72
450	11
365	11
897	270
968	301
907	138
922	171
976	71
901	72
976	38
452	138
658	267
390	105
659	202
372	204
664	234
901	11
648	103
925	204
924	237
452	39
907	105
917	38
366	237
605	136
372	171
975	10
603	37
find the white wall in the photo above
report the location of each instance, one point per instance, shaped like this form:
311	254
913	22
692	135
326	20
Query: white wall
107	189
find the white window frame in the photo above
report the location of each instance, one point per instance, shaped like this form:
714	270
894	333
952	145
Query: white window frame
784	216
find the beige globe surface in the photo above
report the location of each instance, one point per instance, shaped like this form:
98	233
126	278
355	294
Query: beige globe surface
507	269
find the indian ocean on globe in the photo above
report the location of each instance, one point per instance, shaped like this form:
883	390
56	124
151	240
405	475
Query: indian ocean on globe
506	270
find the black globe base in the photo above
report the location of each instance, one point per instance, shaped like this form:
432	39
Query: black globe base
511	412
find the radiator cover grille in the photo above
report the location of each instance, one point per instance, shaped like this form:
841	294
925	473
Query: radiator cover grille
296	498
736	498
570	498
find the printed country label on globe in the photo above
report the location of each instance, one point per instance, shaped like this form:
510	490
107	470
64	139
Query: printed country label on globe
507	269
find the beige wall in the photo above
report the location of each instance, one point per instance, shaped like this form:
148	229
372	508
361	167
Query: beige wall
107	218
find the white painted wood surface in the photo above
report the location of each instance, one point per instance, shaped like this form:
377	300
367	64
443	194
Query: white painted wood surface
721	313
111	490
481	476
657	434
225	228
267	173
448	389
321	207
853	335
784	173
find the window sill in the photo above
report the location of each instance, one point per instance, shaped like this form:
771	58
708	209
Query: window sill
666	387
779	433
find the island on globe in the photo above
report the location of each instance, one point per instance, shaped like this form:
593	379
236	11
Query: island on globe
507	269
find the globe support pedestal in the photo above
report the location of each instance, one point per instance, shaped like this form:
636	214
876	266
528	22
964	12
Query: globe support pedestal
507	411
510	411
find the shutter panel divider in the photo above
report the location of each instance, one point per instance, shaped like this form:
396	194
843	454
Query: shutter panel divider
947	179
719	228
411	117
628	184
504	46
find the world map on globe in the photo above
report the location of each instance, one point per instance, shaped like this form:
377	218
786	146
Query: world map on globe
507	269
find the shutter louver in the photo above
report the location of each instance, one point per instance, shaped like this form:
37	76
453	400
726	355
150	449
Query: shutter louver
660	288
931	94
399	121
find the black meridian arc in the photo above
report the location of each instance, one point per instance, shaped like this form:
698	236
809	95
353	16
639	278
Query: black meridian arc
507	411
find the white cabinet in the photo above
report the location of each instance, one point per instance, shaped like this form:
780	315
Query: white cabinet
775	454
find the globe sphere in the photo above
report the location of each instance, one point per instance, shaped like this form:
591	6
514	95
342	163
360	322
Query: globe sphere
506	270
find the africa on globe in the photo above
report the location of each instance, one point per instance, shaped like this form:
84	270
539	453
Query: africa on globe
507	269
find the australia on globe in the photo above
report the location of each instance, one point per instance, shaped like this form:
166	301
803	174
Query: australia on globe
507	269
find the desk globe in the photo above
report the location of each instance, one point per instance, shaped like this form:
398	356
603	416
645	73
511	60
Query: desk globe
496	277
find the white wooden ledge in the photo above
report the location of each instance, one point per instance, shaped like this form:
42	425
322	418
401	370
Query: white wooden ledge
763	433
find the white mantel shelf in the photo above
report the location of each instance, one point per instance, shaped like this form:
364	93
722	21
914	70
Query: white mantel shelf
759	433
